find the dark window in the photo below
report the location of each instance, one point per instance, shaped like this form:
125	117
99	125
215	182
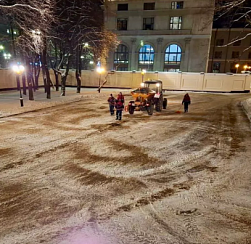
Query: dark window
219	42
175	23
217	54
173	54
149	6
121	54
122	68
235	54
123	7
148	23
249	55
177	5
121	24
237	43
216	67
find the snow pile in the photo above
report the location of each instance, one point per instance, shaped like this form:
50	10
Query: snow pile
247	107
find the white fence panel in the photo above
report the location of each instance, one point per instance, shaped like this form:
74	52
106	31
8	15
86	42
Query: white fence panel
171	81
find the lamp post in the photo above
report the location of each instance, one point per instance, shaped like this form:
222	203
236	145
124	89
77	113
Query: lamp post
143	71
100	70
1	50
19	69
237	66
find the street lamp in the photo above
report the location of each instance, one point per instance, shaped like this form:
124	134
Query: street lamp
237	66
143	71
19	69
100	70
7	55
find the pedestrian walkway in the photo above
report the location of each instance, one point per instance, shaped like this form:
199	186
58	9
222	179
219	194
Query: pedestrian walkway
10	100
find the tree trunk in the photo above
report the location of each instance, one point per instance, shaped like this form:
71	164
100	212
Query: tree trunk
64	76
57	80
24	83
46	74
78	69
29	79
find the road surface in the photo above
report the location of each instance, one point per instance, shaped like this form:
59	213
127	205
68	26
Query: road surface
72	174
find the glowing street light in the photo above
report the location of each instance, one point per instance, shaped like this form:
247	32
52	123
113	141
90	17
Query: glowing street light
237	66
1	47
19	69
7	55
143	71
245	67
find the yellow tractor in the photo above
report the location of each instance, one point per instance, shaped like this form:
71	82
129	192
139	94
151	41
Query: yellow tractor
147	97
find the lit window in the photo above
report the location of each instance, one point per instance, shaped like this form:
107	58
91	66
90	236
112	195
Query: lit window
173	54
177	5
146	57
175	23
148	23
121	24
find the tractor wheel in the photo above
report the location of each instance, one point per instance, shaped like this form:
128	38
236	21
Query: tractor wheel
159	103
150	109
164	103
131	109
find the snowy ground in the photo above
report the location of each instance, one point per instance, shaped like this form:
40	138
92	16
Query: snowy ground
71	174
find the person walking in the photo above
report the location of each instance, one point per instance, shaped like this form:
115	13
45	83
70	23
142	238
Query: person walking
186	101
119	105
111	101
121	97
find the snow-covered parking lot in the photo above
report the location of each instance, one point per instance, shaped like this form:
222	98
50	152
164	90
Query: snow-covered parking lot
72	174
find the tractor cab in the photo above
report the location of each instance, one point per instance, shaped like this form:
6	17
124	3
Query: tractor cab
155	85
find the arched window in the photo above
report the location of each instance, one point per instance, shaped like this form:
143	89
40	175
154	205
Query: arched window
121	58
146	57
172	58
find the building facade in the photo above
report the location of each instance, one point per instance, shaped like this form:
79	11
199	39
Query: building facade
160	35
230	50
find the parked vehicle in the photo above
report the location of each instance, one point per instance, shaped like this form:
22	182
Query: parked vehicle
148	97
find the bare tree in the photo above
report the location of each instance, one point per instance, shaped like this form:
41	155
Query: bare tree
33	19
79	23
234	13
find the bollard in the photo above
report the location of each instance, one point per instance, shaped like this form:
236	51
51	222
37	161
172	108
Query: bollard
21	102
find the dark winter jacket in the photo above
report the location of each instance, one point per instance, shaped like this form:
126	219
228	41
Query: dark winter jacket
119	105
186	99
111	100
121	98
